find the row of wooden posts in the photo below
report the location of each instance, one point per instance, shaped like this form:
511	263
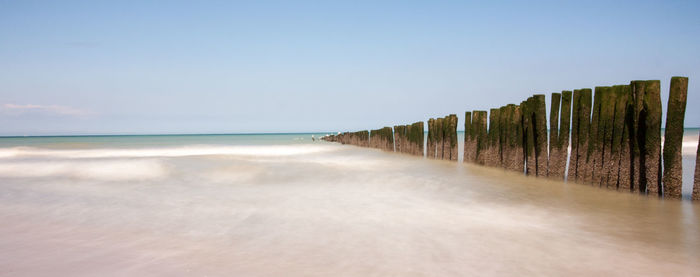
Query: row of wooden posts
615	135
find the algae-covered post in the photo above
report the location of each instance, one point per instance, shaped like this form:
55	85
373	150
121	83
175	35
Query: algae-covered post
607	120
624	180
651	133
469	139
479	128
559	134
529	137
584	129
415	136
637	105
503	131
540	120
364	138
696	183
518	155
431	144
553	134
451	137
440	138
399	131
673	138
619	114
492	155
575	156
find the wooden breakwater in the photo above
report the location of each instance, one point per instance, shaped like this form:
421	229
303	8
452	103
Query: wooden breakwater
613	133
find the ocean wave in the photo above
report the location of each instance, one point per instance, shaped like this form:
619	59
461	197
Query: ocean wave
194	150
103	170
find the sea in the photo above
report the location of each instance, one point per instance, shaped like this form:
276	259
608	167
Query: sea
292	205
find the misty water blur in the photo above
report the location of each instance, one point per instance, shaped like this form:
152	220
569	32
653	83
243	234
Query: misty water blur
282	205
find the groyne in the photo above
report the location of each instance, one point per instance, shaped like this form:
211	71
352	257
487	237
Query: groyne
613	132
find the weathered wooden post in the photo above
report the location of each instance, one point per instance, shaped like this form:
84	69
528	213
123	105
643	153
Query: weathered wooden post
492	155
673	138
559	134
575	155
399	131
364	136
626	160
415	136
651	133
621	93
603	137
517	140
696	183
440	138
578	162
503	123
540	120
553	134
529	136
451	137
431	144
469	139
637	105
479	127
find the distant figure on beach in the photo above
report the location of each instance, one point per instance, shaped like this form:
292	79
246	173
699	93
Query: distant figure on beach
312	138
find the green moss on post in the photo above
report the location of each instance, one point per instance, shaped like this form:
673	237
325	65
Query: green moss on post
619	114
575	122
430	143
583	129
415	138
503	134
552	163
399	133
540	120
607	120
479	127
529	137
469	139
696	184
637	105
492	155
440	138
564	131
651	150
451	135
518	154
624	180
673	138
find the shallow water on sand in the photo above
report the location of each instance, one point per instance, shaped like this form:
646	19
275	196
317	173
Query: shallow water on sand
226	206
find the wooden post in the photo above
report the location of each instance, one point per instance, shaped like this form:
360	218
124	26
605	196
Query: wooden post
559	134
624	181
572	174
637	105
517	140
673	138
529	137
607	120
696	184
440	138
651	115
469	139
492	155
503	133
617	166
431	144
451	137
479	127
540	120
552	164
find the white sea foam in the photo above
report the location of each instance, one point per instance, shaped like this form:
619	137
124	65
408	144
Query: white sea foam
193	150
106	170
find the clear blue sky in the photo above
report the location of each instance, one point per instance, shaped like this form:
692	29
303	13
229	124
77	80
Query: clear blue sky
111	67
